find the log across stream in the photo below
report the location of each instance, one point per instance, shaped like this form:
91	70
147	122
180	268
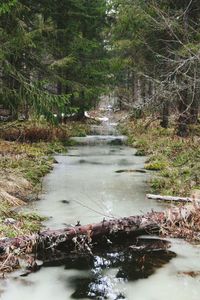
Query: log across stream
83	239
79	240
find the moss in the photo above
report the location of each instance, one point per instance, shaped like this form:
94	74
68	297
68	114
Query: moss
32	161
156	165
141	144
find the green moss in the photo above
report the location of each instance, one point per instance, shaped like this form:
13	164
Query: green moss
55	147
156	165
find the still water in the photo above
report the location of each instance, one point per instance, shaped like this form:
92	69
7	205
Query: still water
86	186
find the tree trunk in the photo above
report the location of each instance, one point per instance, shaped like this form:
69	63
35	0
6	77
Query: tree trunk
194	110
81	105
137	90
165	115
26	110
59	88
183	119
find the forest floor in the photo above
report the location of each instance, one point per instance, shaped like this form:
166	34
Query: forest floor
26	155
176	160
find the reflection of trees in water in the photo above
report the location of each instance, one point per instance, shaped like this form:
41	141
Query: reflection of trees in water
138	262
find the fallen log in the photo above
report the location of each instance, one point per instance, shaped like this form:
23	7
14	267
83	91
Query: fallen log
172	198
52	245
84	238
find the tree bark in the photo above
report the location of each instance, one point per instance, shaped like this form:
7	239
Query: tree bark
194	110
81	105
59	88
165	115
184	114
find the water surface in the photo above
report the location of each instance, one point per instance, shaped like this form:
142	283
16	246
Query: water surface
85	187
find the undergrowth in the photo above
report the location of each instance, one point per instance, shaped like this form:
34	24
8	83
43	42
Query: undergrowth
36	131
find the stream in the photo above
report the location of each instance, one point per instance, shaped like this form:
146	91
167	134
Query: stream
92	182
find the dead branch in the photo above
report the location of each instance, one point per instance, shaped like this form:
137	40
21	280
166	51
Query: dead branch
172	198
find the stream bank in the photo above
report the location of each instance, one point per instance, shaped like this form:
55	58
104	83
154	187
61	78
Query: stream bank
176	160
26	155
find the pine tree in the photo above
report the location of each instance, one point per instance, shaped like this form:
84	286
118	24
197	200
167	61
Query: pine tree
52	51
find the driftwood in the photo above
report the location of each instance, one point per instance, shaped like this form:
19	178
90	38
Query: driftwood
172	198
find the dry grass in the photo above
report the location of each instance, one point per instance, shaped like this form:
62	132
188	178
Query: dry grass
9	199
182	222
35	131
